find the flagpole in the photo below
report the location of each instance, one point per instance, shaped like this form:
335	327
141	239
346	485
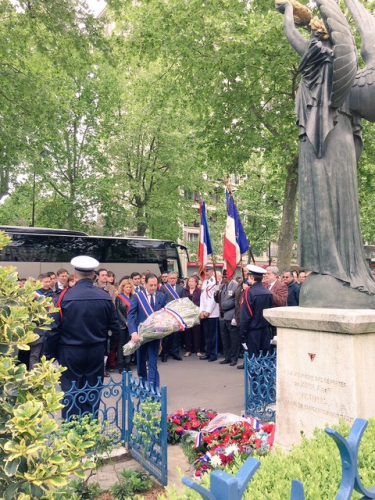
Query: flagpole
214	266
252	256
228	184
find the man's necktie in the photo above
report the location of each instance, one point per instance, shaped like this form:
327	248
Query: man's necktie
152	302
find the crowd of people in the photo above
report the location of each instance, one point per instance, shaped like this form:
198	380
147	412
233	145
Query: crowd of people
97	315
226	324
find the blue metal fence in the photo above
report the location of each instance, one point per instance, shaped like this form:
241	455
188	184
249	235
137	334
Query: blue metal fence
260	386
152	455
115	404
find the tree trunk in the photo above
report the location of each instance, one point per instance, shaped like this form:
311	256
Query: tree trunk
141	220
72	208
4	182
286	236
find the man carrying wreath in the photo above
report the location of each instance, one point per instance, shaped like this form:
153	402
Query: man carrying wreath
143	304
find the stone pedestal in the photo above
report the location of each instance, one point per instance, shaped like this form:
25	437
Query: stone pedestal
325	368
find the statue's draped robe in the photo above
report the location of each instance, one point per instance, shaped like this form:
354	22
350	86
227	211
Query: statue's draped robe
330	239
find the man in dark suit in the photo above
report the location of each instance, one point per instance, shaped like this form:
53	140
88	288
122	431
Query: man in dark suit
143	304
136	279
62	281
171	343
255	330
293	288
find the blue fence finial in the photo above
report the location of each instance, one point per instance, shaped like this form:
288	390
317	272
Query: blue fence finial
348	449
223	486
297	491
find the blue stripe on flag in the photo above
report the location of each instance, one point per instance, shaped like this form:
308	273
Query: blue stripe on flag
206	234
241	238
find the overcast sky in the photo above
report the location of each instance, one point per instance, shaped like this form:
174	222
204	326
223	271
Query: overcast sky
96	6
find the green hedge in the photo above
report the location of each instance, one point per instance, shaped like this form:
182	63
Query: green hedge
315	462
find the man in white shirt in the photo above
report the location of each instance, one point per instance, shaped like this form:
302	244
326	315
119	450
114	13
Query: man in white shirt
210	313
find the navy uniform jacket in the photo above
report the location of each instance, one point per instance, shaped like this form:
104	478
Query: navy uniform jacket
259	298
180	290
88	313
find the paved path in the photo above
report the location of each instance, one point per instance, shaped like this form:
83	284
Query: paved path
191	383
194	383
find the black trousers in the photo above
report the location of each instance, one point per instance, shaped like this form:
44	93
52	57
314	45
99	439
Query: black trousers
209	327
230	337
84	366
258	340
171	345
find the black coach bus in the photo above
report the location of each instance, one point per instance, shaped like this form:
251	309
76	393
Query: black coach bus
38	250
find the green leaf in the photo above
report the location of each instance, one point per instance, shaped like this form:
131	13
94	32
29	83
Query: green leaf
58	481
11	467
11	490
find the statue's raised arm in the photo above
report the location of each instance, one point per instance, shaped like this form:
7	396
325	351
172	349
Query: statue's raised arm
332	97
362	94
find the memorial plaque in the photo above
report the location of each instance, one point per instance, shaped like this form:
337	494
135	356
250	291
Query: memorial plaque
322	376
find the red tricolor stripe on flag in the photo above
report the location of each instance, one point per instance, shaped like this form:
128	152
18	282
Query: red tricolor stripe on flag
235	241
231	252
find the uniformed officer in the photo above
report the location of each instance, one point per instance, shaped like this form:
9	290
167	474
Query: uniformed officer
255	331
78	335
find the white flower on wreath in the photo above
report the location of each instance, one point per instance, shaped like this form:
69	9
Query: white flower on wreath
215	461
232	448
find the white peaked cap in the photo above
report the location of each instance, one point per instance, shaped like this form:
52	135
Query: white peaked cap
257	270
84	263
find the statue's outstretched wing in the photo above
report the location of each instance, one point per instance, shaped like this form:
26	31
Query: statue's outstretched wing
365	23
362	94
345	62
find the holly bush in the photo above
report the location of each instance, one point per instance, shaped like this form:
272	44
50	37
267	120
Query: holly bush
36	455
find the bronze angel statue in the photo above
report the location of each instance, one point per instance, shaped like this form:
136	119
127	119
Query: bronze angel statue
333	96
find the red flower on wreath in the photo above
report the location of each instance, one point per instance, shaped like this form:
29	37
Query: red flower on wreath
207	439
258	443
268	428
226	438
247	435
179	429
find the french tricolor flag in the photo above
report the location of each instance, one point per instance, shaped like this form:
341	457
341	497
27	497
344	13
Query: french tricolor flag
235	241
204	248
